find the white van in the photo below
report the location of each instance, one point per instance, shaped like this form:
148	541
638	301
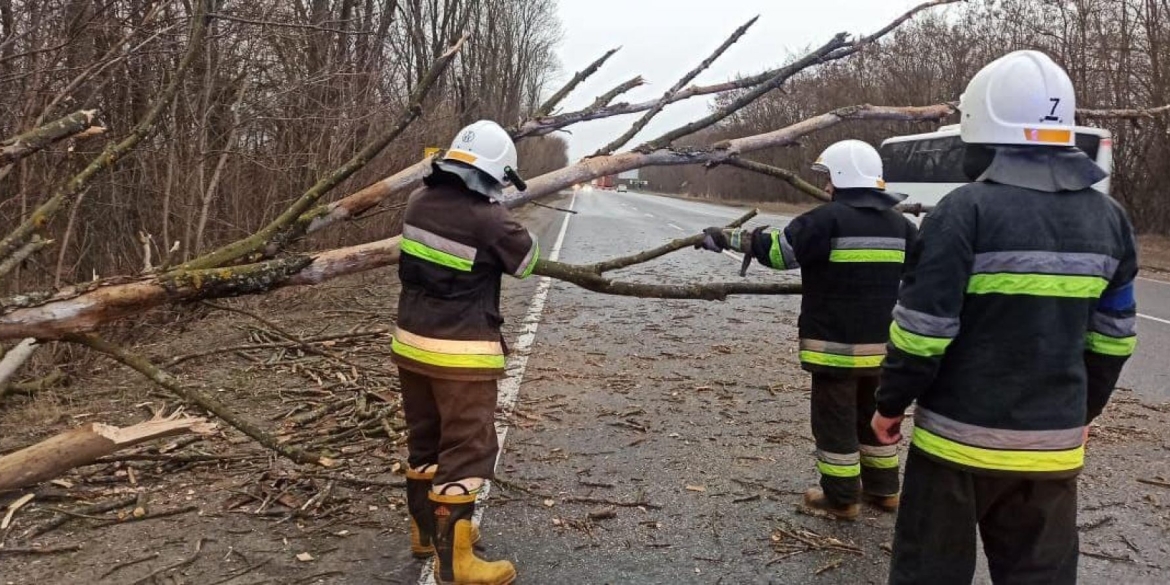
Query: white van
928	166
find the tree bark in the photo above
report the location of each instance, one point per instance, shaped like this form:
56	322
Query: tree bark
18	147
86	444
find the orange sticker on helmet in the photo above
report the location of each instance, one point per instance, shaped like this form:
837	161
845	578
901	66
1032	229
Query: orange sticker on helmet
1047	135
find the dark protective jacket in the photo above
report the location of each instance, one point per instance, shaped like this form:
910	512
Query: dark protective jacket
1015	317
456	244
850	253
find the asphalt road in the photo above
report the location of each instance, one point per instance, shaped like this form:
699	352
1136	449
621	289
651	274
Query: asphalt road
1148	372
662	441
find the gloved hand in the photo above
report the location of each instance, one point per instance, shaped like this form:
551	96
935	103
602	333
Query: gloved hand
714	239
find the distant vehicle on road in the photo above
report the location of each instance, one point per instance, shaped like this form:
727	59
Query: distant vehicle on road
928	166
622	188
606	182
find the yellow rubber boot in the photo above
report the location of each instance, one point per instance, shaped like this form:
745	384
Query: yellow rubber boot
422	519
455	560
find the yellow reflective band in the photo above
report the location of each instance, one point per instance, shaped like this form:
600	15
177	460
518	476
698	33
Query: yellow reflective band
841	361
1040	285
448	360
839	470
1003	460
774	252
461	155
897	256
425	252
879	462
1106	345
919	345
532	263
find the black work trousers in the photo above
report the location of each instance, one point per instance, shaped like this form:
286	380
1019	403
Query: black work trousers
849	457
450	423
1028	526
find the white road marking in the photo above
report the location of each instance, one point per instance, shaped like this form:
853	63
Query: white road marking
675	227
510	386
1153	280
738	257
1153	318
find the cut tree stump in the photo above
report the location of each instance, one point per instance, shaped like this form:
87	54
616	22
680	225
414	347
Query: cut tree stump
56	455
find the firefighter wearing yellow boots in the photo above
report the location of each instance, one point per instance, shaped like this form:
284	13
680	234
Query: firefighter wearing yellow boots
850	253
457	242
1014	320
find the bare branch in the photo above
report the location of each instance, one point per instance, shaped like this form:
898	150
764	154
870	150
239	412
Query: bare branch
637	127
604	99
749	96
547	107
1122	114
18	147
808	188
277	233
716	291
648	255
164	379
784	174
32	247
289	25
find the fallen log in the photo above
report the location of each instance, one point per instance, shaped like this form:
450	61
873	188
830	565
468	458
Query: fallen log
56	455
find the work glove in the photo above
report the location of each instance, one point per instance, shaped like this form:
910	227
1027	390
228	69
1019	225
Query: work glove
715	239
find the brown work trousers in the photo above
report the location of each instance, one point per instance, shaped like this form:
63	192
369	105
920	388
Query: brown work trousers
450	423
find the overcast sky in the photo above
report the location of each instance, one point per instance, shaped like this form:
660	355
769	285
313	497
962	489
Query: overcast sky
663	39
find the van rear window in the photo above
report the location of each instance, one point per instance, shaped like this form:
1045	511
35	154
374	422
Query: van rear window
940	160
933	160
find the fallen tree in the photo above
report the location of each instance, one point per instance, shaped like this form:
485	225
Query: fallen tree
260	263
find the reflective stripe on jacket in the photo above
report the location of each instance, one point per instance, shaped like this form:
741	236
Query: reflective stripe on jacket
456	244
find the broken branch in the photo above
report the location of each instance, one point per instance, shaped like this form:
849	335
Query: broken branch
20	146
52	457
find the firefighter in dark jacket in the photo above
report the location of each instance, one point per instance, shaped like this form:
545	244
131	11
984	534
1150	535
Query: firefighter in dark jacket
1014	320
850	253
457	242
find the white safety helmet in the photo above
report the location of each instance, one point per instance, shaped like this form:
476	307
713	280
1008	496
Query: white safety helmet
1023	97
851	164
487	147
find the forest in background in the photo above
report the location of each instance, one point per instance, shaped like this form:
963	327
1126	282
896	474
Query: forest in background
283	92
1116	51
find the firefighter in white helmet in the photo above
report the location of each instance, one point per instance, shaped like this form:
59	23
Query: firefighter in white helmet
1013	322
457	242
850	253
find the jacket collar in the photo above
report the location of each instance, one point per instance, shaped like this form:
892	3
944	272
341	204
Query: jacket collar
1043	168
868	198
